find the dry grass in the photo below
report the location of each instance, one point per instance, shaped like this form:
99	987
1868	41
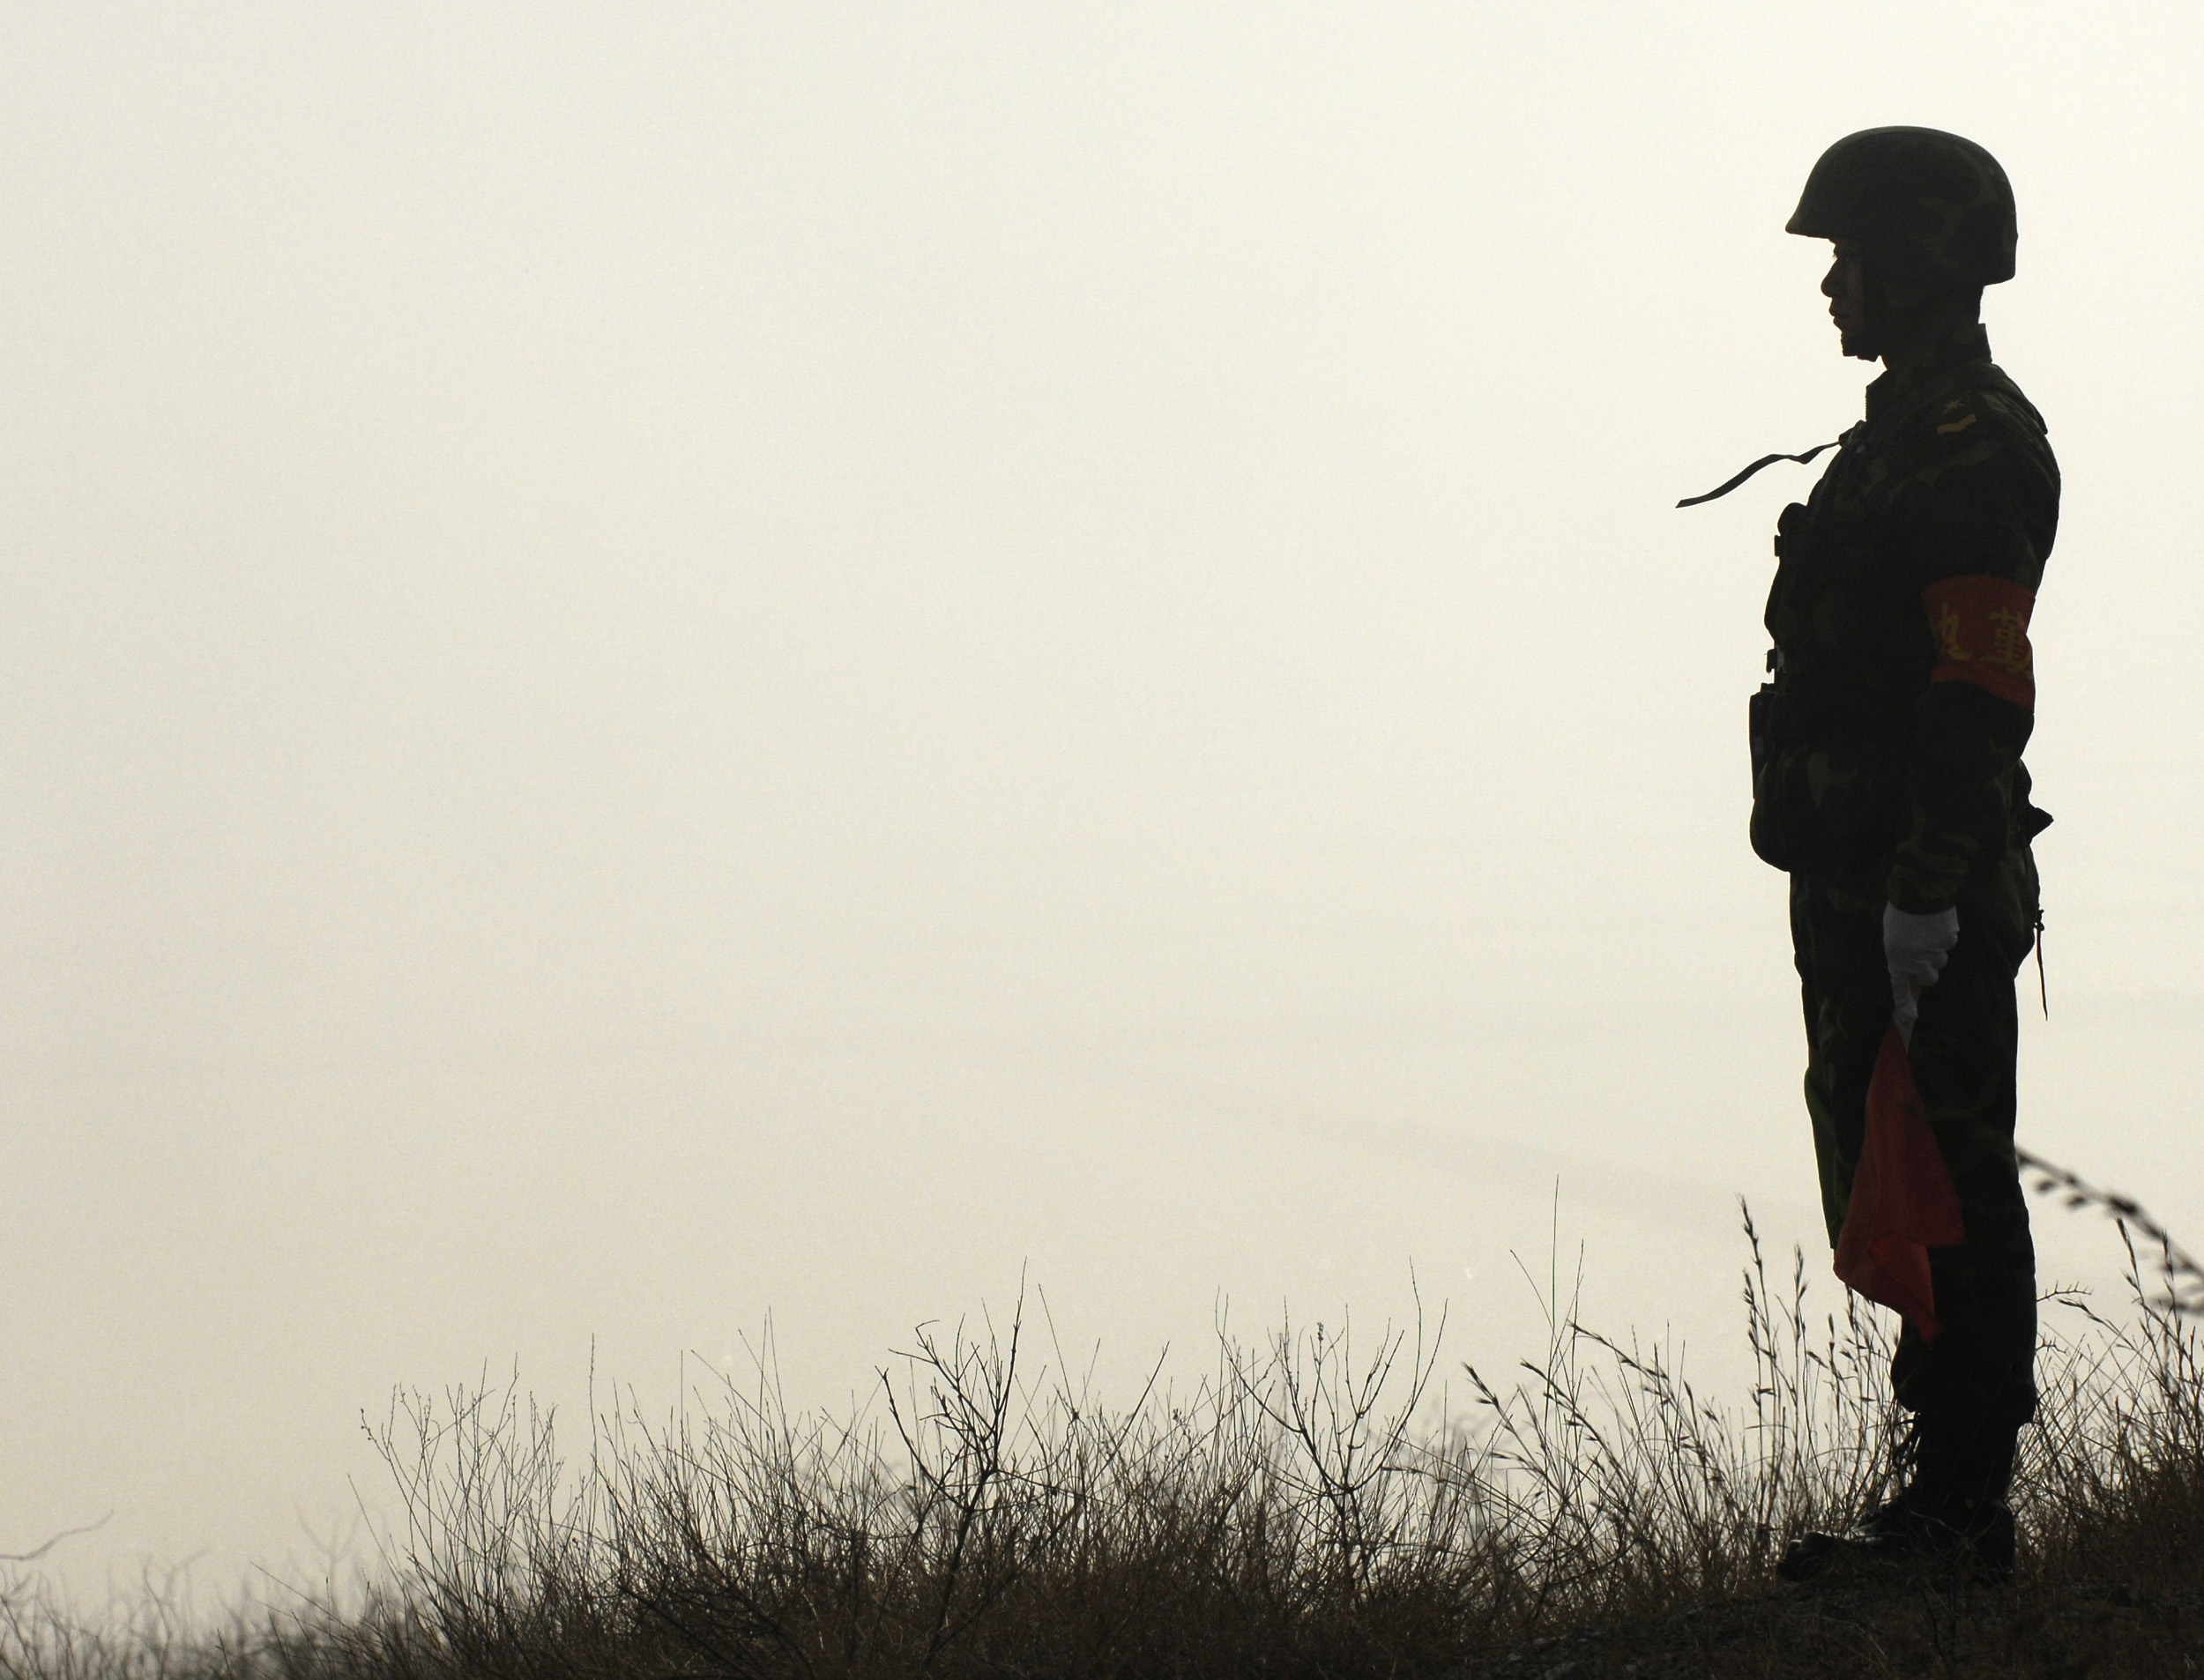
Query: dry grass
1298	1512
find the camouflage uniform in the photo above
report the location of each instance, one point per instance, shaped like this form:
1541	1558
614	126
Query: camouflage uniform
1887	770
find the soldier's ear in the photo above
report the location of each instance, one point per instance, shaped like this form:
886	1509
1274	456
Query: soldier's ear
1904	296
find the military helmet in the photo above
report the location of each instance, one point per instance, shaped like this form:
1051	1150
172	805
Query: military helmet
1925	206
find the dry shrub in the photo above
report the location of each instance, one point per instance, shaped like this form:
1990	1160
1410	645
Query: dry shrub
1296	1511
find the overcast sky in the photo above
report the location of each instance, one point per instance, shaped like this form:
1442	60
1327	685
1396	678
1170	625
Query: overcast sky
667	662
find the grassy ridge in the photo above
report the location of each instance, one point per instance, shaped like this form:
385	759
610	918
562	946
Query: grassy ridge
1298	1512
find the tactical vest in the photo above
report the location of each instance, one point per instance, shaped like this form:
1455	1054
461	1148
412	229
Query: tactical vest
1833	728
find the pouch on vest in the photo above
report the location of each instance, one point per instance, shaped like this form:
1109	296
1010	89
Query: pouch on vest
1759	720
1818	806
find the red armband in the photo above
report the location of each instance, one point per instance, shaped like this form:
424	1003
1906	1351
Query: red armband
1981	629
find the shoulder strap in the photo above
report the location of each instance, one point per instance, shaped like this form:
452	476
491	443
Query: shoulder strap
1765	460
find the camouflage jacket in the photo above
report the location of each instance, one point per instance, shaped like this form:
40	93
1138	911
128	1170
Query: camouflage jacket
1889	739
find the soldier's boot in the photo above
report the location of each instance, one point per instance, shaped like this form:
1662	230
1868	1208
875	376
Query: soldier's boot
1952	1512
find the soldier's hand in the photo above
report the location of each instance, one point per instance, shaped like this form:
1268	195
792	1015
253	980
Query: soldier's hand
1916	947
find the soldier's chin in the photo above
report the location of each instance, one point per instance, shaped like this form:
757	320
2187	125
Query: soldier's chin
1856	343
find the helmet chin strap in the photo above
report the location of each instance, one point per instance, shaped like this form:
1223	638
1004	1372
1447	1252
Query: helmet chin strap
1881	326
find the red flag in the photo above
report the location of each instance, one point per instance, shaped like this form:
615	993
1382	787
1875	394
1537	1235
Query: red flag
1903	1201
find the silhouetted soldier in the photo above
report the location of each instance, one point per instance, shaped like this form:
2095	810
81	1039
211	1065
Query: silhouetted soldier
1888	782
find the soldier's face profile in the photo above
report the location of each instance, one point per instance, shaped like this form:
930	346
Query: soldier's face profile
1845	286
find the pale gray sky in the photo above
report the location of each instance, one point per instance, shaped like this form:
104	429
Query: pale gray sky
664	662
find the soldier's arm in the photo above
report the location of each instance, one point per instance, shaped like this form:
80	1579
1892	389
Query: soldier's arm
1985	514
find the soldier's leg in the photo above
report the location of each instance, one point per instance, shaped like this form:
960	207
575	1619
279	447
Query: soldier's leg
1836	941
1971	1392
1965	1048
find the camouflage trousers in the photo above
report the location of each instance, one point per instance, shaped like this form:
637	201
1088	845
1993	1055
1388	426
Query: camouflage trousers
1982	1368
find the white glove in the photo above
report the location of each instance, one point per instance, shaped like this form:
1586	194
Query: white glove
1916	949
